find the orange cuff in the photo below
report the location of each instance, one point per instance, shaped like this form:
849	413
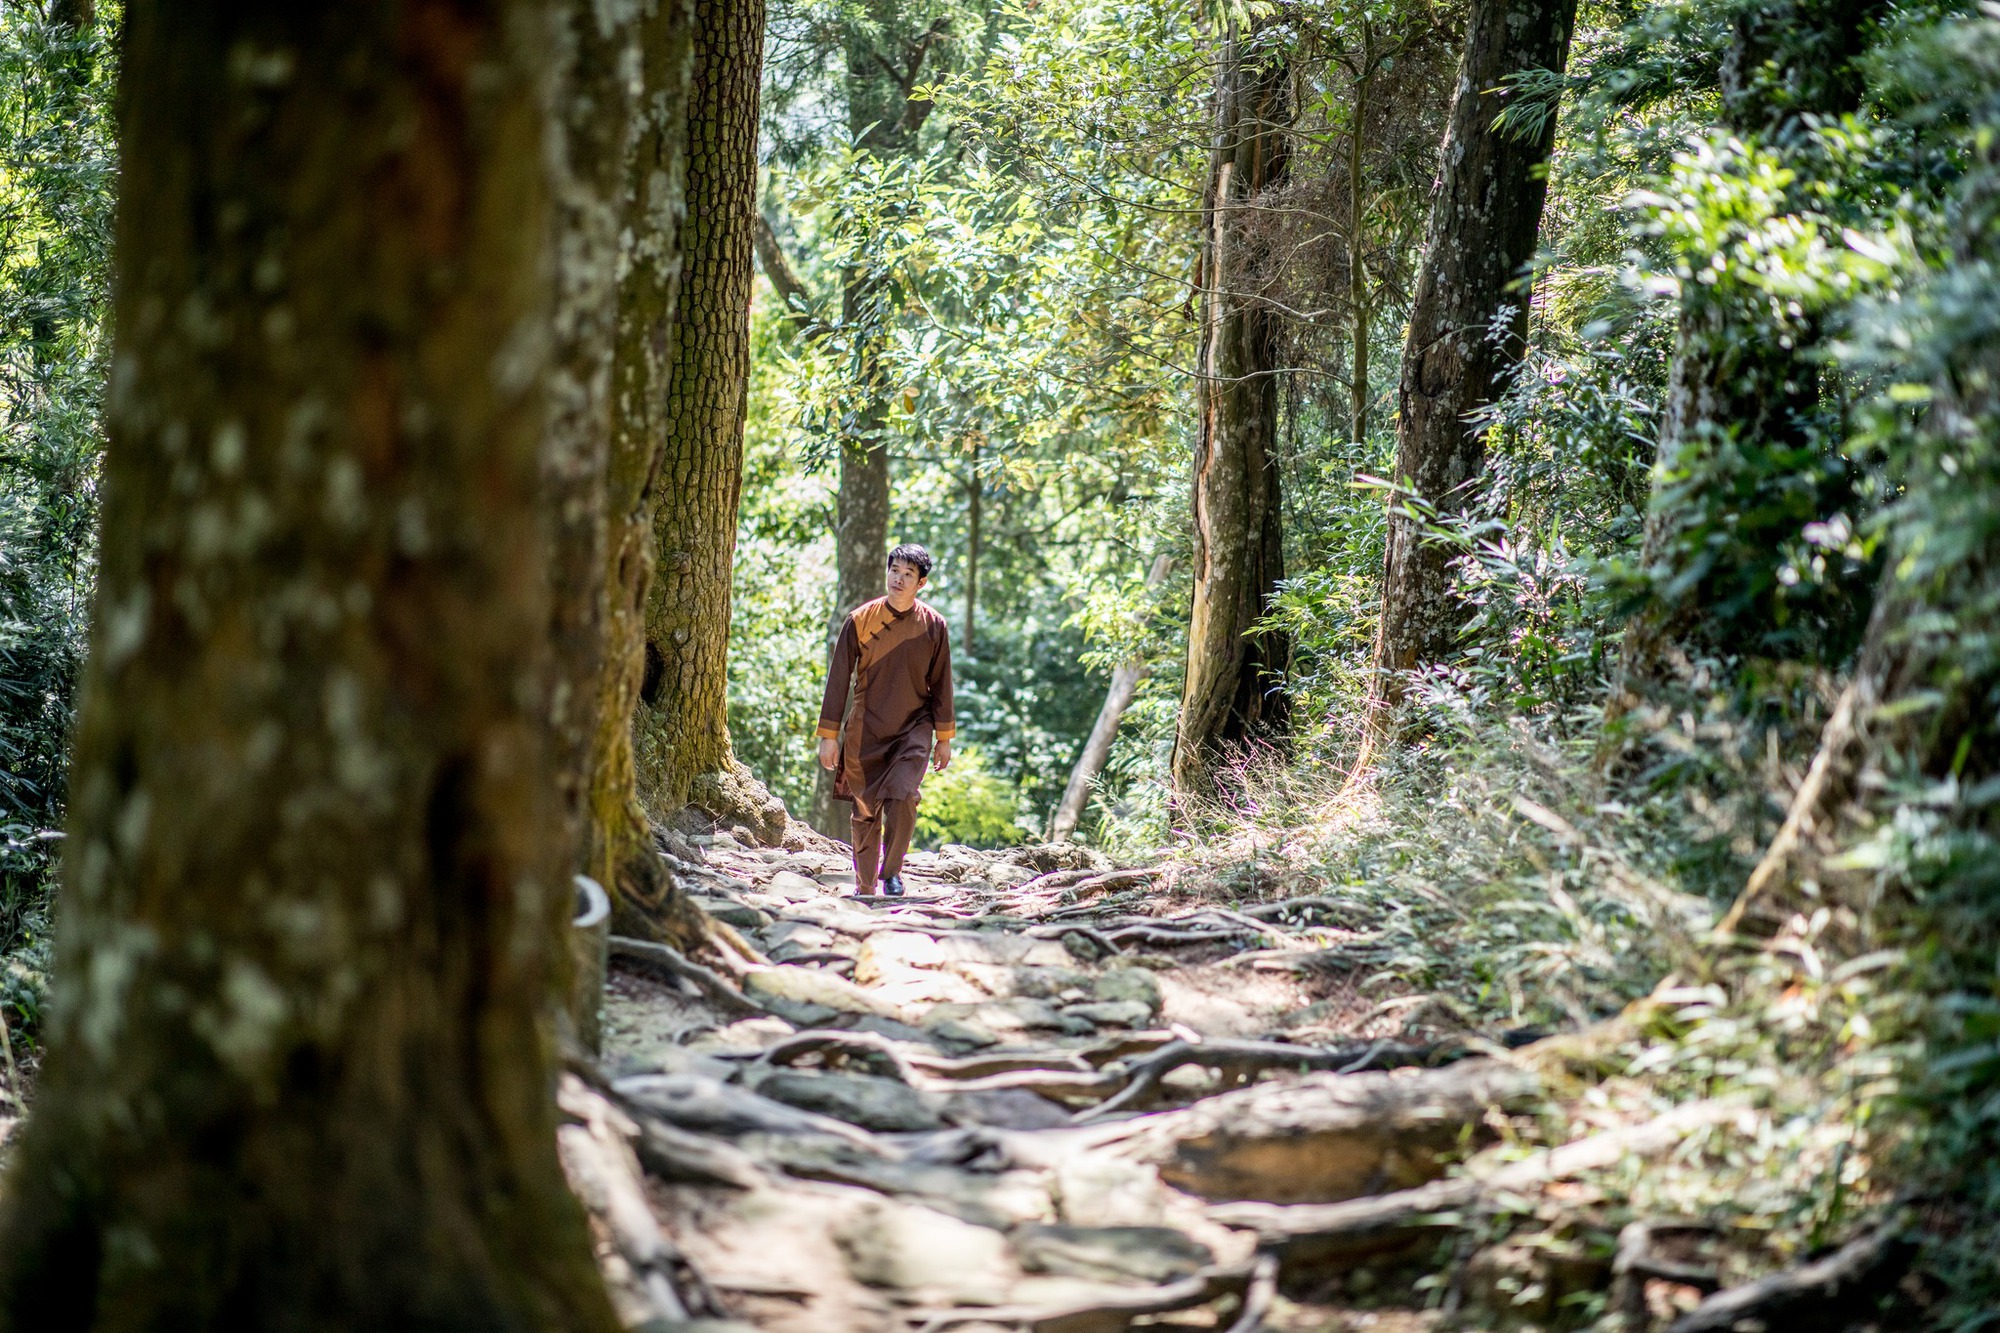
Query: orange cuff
827	733
946	733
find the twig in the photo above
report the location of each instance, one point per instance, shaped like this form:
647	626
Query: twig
1257	1298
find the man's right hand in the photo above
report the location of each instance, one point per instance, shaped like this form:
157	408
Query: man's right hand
829	753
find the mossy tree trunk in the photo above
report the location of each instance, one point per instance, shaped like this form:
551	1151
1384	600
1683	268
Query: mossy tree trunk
589	151
1484	219
1234	690
682	724
301	1071
645	900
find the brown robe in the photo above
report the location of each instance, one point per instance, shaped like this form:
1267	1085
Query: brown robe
888	692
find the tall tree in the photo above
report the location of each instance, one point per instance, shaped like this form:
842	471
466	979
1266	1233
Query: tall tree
591	144
884	51
682	724
1484	218
1234	688
1747	455
620	853
300	1073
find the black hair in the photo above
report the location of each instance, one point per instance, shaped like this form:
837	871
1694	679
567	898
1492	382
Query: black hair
913	555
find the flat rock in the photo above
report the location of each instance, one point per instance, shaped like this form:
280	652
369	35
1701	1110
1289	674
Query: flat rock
866	1100
1045	858
710	1106
792	886
1006	1108
751	1034
1097	1190
1065	985
1153	1255
1111	1013
930	1256
1327	1137
783	988
1126	984
802	933
732	913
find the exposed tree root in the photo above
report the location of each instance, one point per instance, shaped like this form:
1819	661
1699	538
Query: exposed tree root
1325	1235
735	799
595	1146
1186	1294
1828	1293
713	987
1246	1058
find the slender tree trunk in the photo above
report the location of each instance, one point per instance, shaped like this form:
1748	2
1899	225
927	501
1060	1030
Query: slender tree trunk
301	1069
645	901
682	725
1097	748
1357	268
1234	688
975	488
1484	220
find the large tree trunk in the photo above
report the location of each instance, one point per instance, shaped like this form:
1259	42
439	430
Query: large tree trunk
1234	688
1744	382
301	1071
1484	220
594	108
620	855
682	726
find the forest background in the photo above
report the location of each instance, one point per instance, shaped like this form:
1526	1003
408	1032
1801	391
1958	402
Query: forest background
1722	595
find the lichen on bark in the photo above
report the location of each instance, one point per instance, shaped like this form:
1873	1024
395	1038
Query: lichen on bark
300	1069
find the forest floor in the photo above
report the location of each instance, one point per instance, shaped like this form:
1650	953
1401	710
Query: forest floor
1043	1092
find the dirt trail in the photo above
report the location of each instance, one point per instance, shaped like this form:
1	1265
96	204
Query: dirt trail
1027	1096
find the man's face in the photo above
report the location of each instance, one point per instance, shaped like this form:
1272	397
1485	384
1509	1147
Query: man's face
904	580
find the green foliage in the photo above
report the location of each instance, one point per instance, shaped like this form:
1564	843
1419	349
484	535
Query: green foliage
56	192
967	804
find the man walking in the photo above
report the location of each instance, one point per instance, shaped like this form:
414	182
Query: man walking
888	697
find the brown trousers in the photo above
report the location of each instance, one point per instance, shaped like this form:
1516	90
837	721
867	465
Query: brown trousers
884	835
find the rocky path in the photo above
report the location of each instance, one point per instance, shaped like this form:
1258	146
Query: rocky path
1040	1093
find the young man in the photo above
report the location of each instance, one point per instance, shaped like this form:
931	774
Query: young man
886	713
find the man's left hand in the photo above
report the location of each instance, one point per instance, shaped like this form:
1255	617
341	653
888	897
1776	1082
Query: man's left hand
940	756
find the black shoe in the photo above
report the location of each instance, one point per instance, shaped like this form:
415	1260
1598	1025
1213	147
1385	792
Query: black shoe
892	886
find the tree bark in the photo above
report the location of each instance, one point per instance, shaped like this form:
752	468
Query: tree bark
1234	688
593	140
1484	219
645	901
1097	748
300	1073
682	725
1357	267
975	496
